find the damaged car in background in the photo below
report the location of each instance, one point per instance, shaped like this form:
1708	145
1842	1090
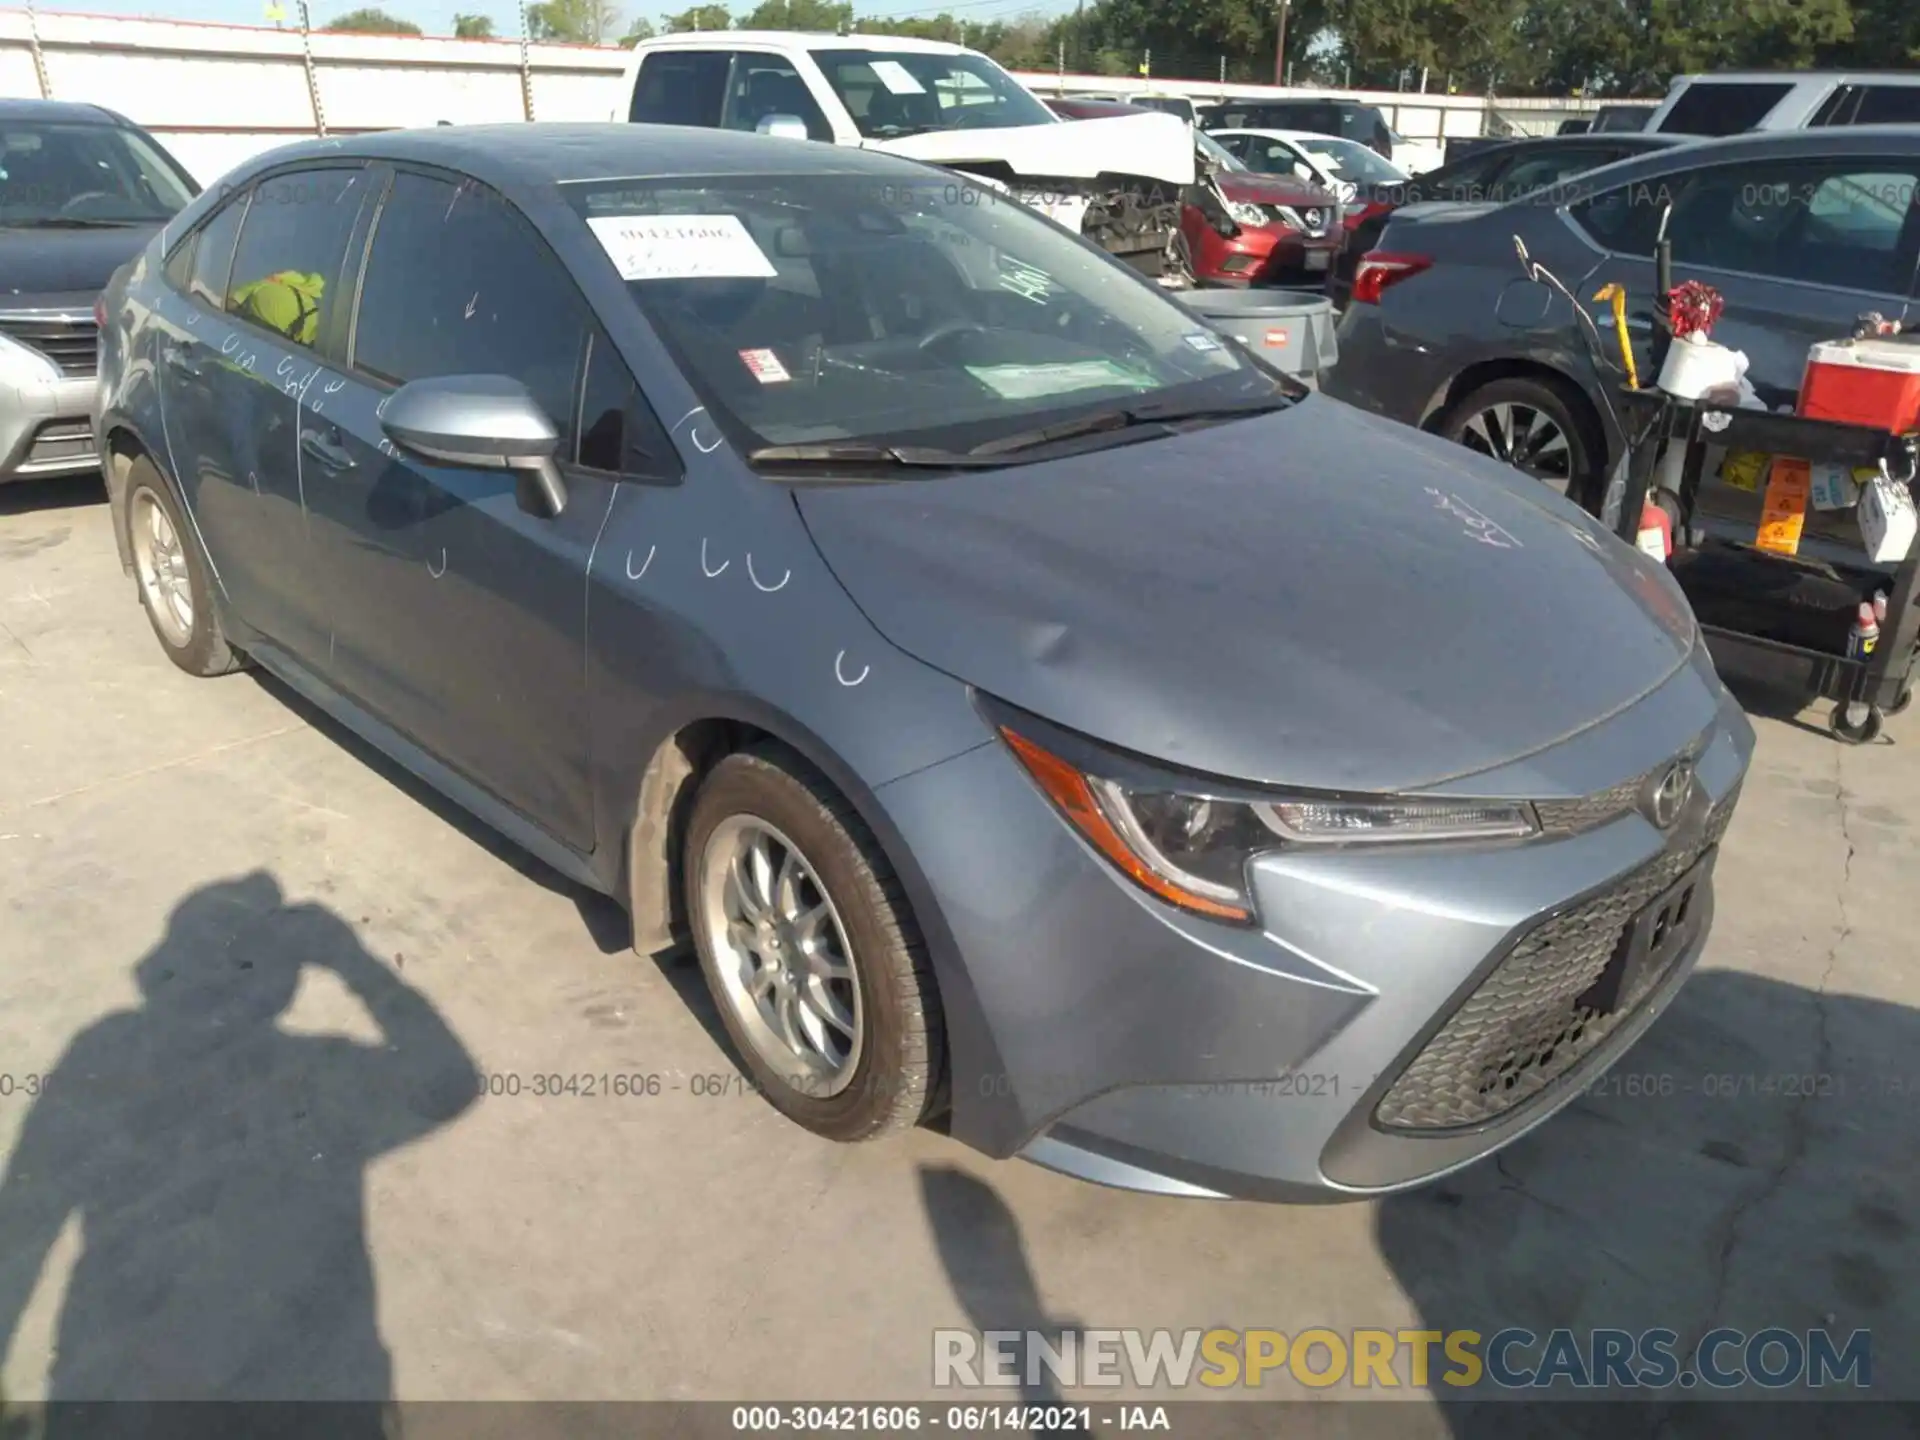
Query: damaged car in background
1118	181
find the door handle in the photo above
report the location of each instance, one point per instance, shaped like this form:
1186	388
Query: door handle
176	358
1640	320
326	450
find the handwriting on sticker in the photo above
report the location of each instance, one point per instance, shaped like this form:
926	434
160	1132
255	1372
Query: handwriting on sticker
1477	526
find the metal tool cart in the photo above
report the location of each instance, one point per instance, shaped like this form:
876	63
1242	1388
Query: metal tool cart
1764	603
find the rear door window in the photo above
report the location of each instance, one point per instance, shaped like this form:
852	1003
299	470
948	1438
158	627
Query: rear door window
459	283
766	85
1889	105
1836	222
681	87
1723	108
293	244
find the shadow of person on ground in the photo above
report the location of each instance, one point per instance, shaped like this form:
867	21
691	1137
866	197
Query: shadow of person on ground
217	1165
985	1260
1718	1177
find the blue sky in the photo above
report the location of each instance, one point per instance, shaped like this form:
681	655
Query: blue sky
436	16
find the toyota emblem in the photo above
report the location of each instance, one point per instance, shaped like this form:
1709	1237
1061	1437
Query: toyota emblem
1669	796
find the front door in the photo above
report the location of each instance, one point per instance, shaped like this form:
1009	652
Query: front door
468	629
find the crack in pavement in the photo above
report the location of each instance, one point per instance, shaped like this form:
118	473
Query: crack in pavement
145	771
17	640
1799	1119
1517	1186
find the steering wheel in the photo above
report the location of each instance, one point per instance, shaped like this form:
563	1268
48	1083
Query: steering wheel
946	328
73	202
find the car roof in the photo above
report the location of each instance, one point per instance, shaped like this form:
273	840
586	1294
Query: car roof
798	40
68	111
1292	100
1800	77
550	153
1646	140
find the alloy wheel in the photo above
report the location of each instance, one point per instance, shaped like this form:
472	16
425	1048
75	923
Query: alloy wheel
781	954
161	562
1524	437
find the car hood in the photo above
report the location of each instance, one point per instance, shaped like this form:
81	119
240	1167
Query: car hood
1313	598
1156	146
1270	190
46	268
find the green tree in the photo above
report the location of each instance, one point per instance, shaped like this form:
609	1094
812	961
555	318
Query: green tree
371	21
578	22
819	16
700	17
473	27
640	29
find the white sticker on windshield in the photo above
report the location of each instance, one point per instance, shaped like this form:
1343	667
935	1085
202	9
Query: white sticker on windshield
1203	342
896	77
1036	382
766	366
681	247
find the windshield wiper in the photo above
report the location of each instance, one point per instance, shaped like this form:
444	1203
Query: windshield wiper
1161	417
846	453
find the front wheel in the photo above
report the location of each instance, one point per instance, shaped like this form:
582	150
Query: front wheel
810	950
1854	724
1530	426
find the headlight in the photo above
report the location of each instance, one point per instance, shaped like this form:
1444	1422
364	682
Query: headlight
1191	849
25	364
1245	214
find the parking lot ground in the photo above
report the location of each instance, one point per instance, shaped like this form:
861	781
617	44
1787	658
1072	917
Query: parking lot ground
171	849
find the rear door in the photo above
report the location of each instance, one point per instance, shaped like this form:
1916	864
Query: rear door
471	635
1797	249
681	87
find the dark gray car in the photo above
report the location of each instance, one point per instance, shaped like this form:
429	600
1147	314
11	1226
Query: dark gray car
1800	232
1038	714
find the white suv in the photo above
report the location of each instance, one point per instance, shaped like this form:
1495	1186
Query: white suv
1119	181
1735	101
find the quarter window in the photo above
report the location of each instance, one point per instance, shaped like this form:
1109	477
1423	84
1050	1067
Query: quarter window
213	255
293	243
1717	108
681	87
458	283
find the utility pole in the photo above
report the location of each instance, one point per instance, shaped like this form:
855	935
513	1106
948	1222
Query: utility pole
1280	46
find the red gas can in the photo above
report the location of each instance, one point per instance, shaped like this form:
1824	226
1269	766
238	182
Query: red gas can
1864	382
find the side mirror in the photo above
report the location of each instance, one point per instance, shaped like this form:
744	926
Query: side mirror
481	422
784	127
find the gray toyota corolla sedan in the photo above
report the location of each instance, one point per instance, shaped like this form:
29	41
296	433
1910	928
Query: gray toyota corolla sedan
1043	720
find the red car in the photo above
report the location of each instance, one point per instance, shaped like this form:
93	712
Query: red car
1240	228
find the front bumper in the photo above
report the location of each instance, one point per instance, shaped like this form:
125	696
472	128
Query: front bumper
46	428
1267	255
1104	1035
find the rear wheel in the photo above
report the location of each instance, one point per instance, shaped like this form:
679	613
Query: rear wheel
810	950
175	586
1530	426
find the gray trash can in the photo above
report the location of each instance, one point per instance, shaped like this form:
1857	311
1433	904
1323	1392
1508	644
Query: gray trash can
1289	329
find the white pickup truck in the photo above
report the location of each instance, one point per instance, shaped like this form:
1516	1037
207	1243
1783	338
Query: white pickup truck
1119	182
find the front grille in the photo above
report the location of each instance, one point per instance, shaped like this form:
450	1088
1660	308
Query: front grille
60	442
1528	1022
73	345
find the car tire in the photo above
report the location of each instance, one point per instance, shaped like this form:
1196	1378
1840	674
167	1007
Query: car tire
1506	420
175	585
888	1080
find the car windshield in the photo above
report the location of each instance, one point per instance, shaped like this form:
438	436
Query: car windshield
1349	160
818	309
1216	152
54	173
909	92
